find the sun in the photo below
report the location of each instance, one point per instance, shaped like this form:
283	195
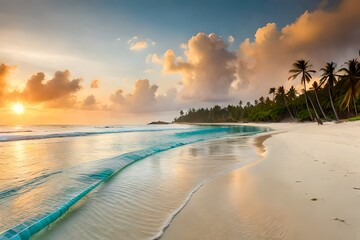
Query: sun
18	108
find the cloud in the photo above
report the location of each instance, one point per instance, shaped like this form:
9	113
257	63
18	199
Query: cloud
320	36
138	46
183	46
56	92
95	83
231	39
208	71
4	72
211	72
90	103
153	58
143	98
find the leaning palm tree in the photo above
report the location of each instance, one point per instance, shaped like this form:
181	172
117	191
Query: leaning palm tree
281	93
352	78
328	77
315	87
313	106
303	67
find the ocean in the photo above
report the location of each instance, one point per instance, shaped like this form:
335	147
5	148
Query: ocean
109	182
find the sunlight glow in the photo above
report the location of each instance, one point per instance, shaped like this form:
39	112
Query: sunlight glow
18	108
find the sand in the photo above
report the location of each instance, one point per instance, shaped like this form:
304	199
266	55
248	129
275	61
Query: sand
305	185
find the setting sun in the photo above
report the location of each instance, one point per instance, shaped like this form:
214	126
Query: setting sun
18	108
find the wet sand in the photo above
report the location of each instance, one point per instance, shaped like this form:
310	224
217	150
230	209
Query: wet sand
305	185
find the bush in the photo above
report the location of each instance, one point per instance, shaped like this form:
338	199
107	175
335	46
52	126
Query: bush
303	115
357	118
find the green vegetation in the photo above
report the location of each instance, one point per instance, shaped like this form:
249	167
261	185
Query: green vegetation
357	118
336	97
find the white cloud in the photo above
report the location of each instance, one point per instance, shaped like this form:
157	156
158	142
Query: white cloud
231	39
143	98
153	58
207	72
183	46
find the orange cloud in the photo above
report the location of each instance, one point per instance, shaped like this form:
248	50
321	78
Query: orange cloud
212	72
138	46
94	83
57	92
90	103
320	36
4	72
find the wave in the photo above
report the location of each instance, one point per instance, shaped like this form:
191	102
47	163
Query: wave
15	131
26	186
183	205
76	134
90	175
108	167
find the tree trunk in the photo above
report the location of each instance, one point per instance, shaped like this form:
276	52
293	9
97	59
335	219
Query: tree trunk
287	106
332	105
321	109
306	101
355	108
316	114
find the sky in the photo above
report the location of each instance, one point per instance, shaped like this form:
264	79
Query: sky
116	62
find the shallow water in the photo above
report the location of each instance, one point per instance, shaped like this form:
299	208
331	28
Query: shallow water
42	178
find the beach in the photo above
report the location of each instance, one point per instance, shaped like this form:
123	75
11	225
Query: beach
304	185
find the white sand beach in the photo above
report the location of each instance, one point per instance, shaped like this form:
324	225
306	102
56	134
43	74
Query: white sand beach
306	185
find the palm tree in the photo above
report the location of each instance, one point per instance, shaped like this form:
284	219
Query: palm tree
267	101
292	94
328	77
313	106
262	100
351	77
281	93
302	67
272	91
315	87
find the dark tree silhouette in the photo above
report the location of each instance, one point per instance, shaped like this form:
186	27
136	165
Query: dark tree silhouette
351	80
315	87
328	78
303	67
281	93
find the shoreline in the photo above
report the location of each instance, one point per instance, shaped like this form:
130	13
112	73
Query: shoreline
303	187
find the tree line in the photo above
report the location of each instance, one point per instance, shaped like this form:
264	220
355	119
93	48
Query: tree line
334	97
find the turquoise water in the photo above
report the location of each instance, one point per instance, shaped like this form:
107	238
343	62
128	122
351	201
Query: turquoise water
47	170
